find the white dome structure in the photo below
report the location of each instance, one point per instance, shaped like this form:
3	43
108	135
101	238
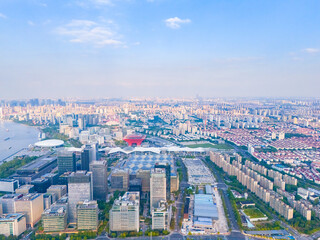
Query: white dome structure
51	143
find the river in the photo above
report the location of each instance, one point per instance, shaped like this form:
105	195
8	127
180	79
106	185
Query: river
14	137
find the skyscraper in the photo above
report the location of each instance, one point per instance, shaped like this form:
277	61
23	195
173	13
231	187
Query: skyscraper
66	161
99	179
157	187
167	169
79	189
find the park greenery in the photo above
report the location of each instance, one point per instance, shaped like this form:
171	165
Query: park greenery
10	167
74	236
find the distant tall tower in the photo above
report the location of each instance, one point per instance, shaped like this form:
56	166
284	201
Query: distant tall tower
99	179
157	186
86	157
66	161
79	189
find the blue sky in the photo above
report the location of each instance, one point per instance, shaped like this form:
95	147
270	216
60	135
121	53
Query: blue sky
166	48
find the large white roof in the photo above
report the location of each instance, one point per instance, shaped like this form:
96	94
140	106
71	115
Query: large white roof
50	143
153	149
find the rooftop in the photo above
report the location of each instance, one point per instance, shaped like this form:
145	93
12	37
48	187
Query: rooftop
205	207
49	143
29	197
10	217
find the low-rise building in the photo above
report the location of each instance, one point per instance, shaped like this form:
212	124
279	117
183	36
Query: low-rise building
12	224
161	216
25	189
8	185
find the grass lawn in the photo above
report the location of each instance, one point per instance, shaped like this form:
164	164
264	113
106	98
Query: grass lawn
203	145
222	146
254	213
209	145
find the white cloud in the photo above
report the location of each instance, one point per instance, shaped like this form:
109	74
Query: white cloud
102	2
30	23
90	32
176	22
3	16
311	50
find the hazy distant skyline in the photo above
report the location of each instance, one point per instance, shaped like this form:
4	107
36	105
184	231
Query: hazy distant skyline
165	48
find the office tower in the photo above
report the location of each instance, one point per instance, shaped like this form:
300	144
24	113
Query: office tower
31	206
157	186
7	202
161	216
66	161
8	185
120	180
87	215
99	179
86	157
12	224
25	189
124	214
167	169
79	189
57	191
144	175
55	218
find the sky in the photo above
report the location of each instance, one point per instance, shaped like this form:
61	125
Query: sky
159	48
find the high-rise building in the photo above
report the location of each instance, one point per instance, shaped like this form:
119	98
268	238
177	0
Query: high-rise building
7	202
144	175
87	215
55	218
32	206
47	200
12	224
79	189
120	180
86	157
167	169
66	161
57	191
124	214
158	188
100	179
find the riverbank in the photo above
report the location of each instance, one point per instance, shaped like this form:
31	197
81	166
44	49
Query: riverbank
15	137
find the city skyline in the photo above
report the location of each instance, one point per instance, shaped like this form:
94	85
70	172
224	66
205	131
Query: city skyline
159	48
